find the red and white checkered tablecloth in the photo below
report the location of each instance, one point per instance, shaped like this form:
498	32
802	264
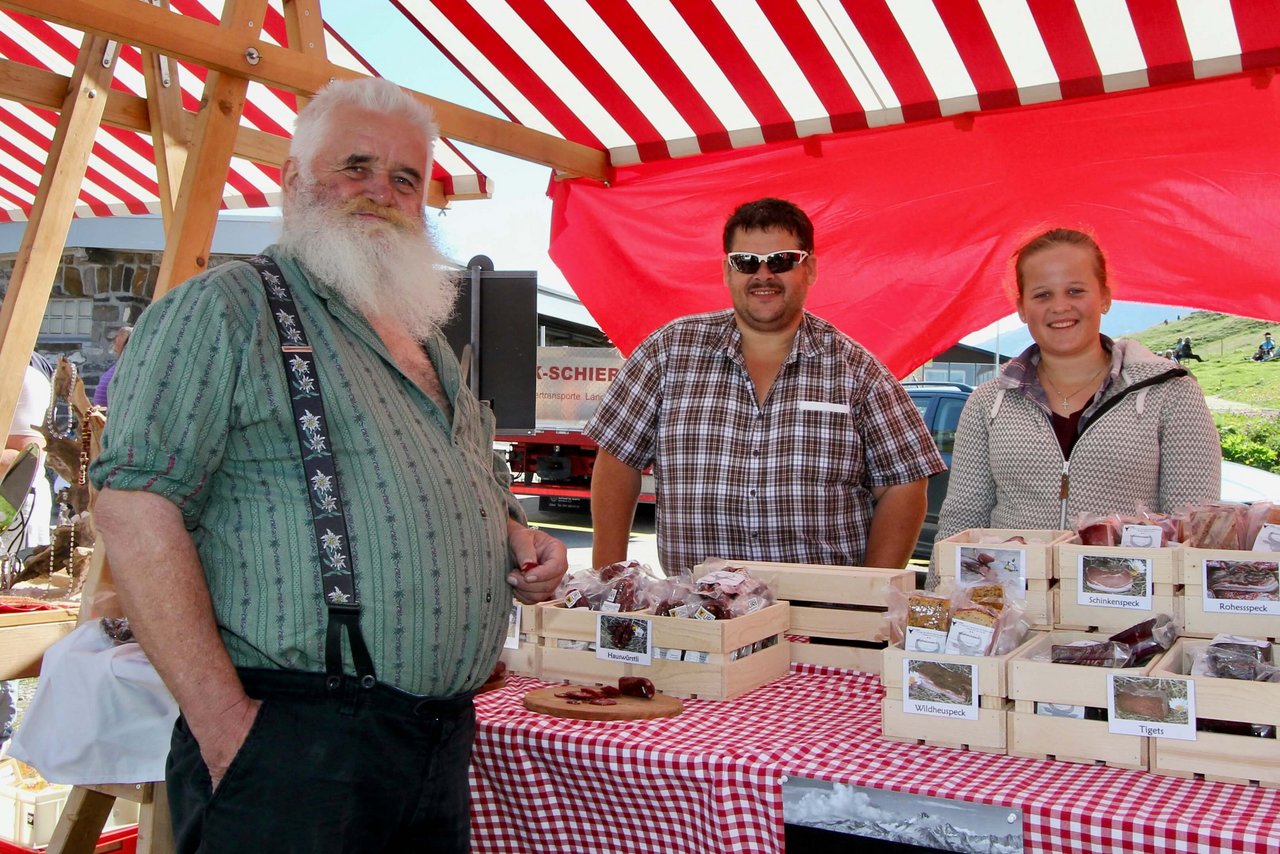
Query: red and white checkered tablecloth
710	780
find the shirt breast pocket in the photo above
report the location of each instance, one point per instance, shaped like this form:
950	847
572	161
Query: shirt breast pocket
825	447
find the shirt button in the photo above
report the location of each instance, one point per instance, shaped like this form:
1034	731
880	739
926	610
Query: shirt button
483	515
755	452
753	493
755	535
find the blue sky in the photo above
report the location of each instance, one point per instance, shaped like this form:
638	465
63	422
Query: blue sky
513	227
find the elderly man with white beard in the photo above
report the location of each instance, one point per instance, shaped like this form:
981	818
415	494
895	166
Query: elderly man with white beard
294	462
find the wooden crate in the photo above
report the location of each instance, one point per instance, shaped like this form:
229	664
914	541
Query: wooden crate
1038	561
1164	578
1206	624
1215	755
836	611
1038	551
987	734
1068	739
712	667
25	636
525	658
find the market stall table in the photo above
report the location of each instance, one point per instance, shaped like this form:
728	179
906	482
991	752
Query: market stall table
711	779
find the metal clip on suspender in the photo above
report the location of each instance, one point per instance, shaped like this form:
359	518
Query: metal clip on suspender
330	525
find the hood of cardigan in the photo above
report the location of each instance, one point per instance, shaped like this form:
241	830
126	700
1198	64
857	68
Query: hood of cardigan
1129	359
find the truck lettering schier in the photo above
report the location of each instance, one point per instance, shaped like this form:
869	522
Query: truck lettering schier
556	459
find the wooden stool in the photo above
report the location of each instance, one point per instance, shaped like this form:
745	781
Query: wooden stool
85	814
80	825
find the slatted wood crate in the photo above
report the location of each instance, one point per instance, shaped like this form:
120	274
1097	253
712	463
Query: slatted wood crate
1037	557
1163	577
1070	739
837	612
987	734
709	659
1200	567
1214	755
526	656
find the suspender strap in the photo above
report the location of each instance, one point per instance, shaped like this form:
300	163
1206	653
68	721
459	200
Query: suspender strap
338	577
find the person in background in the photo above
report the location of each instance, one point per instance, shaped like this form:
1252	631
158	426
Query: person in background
1078	423
291	740
772	435
1266	350
118	343
31	529
1183	353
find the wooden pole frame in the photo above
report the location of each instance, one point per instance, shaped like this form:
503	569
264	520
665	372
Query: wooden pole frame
45	236
196	147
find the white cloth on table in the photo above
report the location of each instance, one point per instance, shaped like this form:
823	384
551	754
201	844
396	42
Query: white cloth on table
100	714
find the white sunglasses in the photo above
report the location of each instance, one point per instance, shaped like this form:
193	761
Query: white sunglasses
777	262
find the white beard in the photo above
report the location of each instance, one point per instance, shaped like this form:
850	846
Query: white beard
386	270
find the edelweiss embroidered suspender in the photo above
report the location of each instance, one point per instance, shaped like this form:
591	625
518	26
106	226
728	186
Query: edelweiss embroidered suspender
327	516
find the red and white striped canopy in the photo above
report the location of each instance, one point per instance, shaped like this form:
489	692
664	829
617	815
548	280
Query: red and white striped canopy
653	79
121	178
925	139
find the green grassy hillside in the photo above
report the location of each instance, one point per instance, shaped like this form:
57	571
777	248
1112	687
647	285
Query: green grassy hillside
1225	342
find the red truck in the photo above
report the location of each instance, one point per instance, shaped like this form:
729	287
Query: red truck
555	459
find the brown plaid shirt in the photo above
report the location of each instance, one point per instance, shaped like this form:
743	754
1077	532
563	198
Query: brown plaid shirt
788	481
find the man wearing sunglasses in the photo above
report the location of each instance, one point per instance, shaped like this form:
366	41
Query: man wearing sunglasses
772	435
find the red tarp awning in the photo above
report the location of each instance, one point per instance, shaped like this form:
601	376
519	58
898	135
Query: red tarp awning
1119	116
915	226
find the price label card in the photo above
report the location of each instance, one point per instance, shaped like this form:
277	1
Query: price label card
986	564
625	639
1151	706
1114	582
513	628
1141	536
1242	587
940	689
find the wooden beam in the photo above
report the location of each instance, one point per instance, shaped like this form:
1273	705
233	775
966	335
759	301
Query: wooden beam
170	135
246	54
22	647
305	28
37	87
190	234
80	824
45	235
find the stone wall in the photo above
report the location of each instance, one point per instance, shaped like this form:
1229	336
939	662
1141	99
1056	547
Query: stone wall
120	283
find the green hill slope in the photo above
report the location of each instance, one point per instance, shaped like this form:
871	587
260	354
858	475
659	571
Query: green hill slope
1225	342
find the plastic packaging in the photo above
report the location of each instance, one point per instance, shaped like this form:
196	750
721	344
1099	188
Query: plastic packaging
1147	639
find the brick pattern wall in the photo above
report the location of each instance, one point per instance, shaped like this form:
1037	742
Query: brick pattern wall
120	284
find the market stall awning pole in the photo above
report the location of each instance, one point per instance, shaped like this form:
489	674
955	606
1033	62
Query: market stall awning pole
305	27
46	233
245	54
169	134
189	236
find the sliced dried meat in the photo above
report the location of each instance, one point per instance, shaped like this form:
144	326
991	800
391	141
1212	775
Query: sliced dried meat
1243	577
1101	654
1145	704
943	681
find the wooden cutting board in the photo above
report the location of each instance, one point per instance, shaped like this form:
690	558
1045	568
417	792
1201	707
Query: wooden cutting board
544	700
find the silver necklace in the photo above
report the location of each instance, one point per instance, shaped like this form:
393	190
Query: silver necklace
1066	398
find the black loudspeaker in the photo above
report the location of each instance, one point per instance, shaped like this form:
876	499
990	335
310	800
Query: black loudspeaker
494	334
